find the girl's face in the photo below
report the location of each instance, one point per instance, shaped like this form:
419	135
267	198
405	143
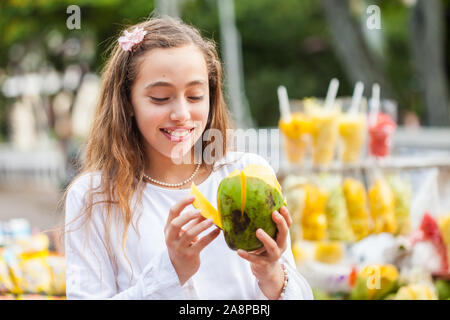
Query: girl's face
170	98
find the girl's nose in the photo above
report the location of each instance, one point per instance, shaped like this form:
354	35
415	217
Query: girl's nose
180	111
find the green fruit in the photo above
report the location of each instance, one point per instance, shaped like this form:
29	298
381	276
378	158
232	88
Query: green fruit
443	289
321	295
246	201
361	292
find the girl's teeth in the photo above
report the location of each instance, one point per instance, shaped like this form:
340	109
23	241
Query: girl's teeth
178	133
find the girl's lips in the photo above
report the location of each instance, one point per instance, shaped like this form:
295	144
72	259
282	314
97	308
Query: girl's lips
175	138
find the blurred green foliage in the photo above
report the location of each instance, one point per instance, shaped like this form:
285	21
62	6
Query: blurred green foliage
284	42
399	65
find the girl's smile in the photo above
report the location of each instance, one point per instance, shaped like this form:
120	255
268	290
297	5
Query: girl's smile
177	134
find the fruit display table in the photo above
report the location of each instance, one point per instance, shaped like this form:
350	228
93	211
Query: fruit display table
377	230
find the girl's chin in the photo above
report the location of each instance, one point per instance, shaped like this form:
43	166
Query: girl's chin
179	152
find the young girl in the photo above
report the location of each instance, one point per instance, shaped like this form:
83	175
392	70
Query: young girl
131	229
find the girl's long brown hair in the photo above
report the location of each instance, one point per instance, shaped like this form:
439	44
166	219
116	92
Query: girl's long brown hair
115	146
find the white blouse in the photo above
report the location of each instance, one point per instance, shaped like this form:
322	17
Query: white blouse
145	270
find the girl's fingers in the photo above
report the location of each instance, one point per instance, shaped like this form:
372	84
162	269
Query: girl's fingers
251	257
193	240
178	207
283	229
270	244
176	224
285	213
195	230
191	223
272	248
205	240
259	251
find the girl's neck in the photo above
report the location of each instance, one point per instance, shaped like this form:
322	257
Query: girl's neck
168	170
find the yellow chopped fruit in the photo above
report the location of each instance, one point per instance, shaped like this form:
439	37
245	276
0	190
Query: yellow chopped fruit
444	225
387	271
382	207
313	219
207	210
416	291
298	253
328	252
299	125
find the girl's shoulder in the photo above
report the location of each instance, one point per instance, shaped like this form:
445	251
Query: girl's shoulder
84	182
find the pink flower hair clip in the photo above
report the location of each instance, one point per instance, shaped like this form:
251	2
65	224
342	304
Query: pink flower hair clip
130	39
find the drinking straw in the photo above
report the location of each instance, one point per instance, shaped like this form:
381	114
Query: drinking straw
375	104
331	94
284	104
356	99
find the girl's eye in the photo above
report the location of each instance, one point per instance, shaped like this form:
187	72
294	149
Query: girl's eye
196	98
159	100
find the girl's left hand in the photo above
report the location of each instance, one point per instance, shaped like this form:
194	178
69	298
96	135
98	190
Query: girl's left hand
264	261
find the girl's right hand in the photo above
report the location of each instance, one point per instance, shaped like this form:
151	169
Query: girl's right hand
181	238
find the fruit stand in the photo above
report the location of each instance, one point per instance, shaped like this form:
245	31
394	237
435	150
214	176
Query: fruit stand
367	225
344	230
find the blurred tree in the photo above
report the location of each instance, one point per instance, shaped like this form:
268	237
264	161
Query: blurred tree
283	43
34	38
428	47
361	64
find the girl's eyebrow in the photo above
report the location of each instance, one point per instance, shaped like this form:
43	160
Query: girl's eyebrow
168	84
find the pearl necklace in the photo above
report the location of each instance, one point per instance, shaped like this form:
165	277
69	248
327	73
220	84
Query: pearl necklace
174	184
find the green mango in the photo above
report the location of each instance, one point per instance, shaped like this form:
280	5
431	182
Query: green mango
443	288
246	201
320	295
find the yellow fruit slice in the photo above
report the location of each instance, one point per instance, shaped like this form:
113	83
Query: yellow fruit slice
243	192
261	172
207	210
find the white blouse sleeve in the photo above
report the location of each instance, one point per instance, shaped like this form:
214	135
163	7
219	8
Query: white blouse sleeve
297	287
89	268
